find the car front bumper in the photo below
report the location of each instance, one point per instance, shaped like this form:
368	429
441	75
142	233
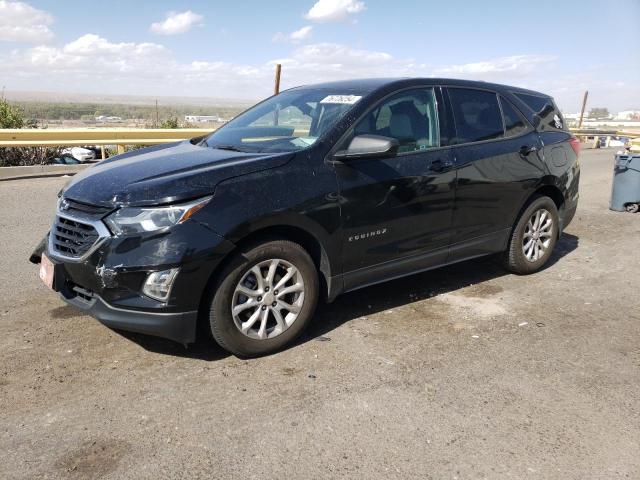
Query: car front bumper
108	283
178	326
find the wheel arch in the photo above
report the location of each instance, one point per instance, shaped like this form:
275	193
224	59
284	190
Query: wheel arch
546	188
294	233
552	191
316	241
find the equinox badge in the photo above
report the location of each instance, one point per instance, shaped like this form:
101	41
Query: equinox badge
362	236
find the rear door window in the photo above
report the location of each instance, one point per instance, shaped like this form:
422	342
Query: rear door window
514	122
476	115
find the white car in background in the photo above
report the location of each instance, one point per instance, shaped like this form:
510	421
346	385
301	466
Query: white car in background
80	154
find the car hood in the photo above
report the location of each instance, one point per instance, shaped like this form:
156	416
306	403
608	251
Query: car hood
164	174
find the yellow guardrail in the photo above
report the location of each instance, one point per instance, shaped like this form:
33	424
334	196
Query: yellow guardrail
595	135
62	137
592	132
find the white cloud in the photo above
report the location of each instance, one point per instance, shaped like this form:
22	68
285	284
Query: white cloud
294	37
94	45
176	23
90	56
20	22
334	10
302	34
93	64
329	61
515	64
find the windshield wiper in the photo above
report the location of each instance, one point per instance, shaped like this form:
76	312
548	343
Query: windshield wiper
231	148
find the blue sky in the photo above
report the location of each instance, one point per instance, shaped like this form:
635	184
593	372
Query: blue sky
228	49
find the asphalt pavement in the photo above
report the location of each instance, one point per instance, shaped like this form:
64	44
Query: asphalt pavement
460	373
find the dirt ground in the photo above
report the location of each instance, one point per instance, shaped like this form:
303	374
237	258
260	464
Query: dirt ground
460	373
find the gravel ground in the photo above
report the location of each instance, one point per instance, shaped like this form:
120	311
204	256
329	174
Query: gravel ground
463	372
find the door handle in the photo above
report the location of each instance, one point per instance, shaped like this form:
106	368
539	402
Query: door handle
527	149
440	165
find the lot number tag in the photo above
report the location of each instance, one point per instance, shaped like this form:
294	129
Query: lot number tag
344	99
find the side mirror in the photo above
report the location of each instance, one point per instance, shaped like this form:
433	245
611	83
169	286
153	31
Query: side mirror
369	146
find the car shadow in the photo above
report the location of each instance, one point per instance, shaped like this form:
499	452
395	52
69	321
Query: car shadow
366	301
414	288
205	348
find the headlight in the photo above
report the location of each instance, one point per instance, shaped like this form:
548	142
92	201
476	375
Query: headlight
137	220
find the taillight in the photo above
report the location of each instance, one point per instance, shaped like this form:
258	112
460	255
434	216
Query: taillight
575	144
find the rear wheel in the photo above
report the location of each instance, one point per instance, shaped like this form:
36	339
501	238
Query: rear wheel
533	237
265	298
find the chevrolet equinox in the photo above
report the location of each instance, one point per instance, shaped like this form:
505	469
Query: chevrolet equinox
314	192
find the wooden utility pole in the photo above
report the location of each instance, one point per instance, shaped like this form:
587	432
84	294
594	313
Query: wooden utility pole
276	90
157	115
584	104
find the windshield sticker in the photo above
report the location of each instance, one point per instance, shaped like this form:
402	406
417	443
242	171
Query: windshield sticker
343	99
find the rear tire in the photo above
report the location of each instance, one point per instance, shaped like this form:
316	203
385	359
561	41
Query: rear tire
250	315
533	238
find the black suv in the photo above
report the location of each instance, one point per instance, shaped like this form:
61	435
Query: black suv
314	192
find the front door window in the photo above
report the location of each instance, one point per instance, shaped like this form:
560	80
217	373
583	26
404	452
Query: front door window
411	117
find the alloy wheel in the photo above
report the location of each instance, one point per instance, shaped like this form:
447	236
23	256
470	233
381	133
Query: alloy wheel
268	298
537	235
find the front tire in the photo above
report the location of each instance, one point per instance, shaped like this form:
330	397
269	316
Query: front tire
264	299
534	237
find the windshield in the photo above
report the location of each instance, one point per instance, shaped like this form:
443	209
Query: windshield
287	122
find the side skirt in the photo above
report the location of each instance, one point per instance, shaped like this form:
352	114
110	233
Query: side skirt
383	272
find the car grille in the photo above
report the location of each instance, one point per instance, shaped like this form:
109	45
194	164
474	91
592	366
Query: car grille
94	211
72	238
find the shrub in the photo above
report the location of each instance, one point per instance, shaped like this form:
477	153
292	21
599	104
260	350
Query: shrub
170	122
25	156
12	117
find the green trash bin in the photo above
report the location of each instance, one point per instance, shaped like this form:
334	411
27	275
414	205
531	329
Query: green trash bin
625	191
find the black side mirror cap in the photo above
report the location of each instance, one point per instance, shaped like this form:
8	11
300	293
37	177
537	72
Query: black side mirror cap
369	146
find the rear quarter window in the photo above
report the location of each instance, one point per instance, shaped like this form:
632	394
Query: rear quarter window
546	108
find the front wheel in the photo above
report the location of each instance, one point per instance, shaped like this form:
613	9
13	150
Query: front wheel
533	237
264	299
